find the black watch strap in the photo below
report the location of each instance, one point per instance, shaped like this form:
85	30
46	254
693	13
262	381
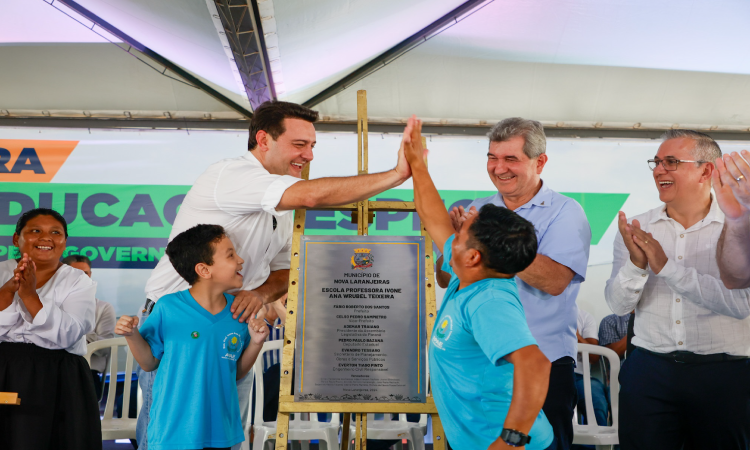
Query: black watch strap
514	438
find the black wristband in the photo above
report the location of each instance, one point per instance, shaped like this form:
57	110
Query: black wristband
514	438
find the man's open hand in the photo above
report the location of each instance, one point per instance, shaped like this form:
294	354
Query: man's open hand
458	216
733	195
402	165
246	304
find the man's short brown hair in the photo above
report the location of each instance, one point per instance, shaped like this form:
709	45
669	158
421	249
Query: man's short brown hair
270	116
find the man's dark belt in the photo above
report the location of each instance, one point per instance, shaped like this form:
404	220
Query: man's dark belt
690	357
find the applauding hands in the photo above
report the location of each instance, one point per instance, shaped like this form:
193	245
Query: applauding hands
644	249
23	282
730	182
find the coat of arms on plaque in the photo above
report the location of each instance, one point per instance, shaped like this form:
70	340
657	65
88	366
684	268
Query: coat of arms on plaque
362	259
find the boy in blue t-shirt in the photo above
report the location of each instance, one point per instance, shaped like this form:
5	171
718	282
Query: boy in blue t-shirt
198	347
489	379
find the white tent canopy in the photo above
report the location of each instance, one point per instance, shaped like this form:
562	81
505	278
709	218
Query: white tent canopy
584	63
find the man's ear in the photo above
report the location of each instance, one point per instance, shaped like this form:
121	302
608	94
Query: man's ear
708	169
263	139
473	258
541	160
203	270
15	239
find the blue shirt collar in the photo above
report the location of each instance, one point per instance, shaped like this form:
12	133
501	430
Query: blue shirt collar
542	198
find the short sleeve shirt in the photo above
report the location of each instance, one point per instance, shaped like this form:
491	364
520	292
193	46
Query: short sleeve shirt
472	383
613	328
195	401
564	235
240	195
587	329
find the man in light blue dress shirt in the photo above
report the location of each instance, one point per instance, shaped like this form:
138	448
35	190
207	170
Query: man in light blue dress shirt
549	287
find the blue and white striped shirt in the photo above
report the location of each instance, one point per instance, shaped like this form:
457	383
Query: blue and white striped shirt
274	356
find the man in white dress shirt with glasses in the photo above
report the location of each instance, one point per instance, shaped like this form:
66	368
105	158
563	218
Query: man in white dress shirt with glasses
686	384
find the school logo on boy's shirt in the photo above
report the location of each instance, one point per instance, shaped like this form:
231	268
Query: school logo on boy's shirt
443	332
232	346
194	335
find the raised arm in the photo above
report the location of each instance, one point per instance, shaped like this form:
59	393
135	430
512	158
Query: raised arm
331	191
730	182
427	200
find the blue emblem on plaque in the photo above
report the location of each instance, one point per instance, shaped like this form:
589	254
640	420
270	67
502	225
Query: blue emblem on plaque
362	259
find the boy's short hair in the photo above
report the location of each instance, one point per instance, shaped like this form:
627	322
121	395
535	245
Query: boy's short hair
192	247
506	240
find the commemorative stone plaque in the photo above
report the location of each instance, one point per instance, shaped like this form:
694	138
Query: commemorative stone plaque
361	321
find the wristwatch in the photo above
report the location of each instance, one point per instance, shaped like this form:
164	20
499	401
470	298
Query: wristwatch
514	438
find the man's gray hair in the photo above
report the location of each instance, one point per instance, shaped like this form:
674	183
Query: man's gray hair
706	149
531	130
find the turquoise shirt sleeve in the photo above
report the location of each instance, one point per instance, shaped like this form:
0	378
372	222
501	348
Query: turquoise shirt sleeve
447	253
499	325
152	330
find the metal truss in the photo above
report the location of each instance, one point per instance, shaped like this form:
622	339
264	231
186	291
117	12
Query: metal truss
244	32
456	15
135	48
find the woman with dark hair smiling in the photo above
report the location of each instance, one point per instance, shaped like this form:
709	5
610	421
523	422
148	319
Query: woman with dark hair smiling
46	309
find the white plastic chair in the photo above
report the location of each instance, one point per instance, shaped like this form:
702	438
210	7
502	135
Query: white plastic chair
299	430
389	429
112	427
593	434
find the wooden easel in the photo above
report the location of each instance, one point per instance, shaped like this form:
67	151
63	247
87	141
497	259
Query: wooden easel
9	398
362	212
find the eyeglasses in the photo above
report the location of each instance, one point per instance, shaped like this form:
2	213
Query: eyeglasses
669	164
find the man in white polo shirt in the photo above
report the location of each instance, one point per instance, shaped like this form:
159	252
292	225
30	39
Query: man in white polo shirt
252	197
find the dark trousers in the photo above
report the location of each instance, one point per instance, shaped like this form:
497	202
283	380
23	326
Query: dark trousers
560	402
668	405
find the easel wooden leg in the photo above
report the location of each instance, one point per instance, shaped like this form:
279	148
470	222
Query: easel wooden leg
282	430
357	433
363	436
345	438
438	435
360	435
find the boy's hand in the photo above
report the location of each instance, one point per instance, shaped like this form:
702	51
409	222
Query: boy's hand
258	331
127	326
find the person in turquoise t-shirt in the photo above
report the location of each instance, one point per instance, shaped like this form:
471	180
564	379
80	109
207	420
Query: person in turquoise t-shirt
198	347
489	379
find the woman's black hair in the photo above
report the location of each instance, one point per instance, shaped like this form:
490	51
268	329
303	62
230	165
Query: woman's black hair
30	214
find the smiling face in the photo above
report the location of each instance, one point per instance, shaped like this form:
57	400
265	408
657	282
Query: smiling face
512	172
688	180
227	267
292	151
43	239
